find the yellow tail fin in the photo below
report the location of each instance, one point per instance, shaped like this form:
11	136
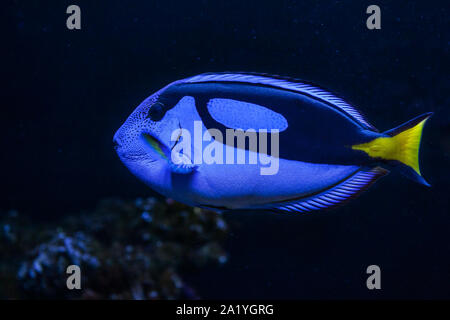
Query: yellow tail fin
402	145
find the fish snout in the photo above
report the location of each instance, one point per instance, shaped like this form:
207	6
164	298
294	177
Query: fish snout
116	142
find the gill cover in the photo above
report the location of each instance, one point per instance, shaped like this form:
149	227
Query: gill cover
402	146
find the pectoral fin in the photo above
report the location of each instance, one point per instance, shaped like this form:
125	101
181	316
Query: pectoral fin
178	162
181	163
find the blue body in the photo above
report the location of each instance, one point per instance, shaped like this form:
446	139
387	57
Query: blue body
316	132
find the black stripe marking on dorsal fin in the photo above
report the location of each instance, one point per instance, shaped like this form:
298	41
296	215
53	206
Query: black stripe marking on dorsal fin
286	83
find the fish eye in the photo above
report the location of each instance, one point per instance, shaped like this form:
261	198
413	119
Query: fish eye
156	112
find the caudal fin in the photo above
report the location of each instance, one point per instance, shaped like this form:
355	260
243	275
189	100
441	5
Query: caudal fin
402	146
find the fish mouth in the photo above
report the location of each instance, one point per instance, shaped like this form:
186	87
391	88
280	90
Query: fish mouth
116	141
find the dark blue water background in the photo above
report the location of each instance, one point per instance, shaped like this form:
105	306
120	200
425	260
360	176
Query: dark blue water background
66	92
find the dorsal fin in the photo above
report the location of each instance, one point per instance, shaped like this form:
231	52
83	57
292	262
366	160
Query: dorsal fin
335	196
286	83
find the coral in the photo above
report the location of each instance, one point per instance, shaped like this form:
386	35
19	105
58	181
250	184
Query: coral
125	250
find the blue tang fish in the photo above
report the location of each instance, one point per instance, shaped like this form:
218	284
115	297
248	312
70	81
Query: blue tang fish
320	150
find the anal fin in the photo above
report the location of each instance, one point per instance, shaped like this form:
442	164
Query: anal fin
336	195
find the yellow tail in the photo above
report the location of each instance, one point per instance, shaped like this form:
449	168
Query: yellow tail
402	145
